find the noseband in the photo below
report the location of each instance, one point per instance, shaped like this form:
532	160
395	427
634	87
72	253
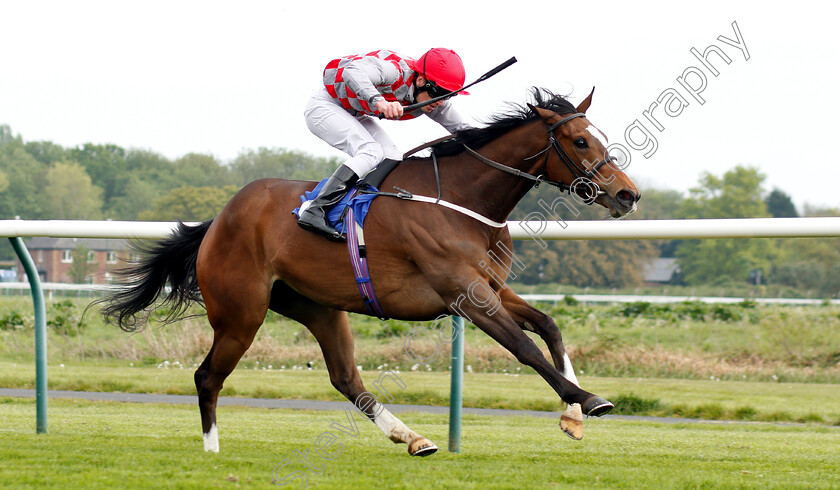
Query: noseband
579	174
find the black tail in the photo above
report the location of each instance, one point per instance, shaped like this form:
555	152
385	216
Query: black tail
169	262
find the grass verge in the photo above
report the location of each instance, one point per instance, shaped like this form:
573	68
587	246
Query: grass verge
710	399
113	445
688	340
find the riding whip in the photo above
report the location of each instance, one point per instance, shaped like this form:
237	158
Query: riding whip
487	75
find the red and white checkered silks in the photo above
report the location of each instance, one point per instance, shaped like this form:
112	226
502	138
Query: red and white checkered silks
392	90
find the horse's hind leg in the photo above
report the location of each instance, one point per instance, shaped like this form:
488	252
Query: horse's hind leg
235	326
331	329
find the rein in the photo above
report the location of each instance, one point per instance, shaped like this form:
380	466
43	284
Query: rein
537	179
564	157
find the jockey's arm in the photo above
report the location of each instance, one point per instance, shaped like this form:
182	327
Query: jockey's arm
363	75
449	118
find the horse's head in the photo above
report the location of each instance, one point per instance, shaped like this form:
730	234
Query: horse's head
577	157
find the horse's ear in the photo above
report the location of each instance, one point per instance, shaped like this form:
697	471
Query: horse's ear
583	106
534	110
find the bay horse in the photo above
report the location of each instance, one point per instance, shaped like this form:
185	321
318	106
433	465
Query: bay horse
422	257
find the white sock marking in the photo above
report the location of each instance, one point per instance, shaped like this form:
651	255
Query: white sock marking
211	440
568	370
393	427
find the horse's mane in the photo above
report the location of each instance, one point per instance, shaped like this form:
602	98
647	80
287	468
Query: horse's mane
515	116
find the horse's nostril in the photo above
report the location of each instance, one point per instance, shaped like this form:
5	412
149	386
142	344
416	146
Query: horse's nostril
625	197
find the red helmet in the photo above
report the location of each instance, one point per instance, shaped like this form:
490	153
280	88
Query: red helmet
442	66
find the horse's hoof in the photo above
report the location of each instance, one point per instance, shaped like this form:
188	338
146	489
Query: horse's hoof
571	421
597	406
421	447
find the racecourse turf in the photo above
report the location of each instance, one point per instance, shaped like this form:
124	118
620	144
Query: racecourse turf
125	445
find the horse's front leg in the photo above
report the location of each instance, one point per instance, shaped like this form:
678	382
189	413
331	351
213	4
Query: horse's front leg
533	320
480	304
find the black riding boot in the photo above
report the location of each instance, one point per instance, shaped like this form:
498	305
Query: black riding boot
314	218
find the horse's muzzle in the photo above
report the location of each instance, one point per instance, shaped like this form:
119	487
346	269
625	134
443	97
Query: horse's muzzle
623	203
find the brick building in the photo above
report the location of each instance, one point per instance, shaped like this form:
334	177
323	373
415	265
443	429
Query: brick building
54	258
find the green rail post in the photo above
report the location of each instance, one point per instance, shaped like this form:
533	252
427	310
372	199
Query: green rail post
40	334
456	385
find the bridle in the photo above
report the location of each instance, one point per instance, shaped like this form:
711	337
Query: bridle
582	177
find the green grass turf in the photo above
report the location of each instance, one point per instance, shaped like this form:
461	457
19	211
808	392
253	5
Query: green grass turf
713	399
116	445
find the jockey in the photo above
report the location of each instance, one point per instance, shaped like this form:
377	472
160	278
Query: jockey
359	88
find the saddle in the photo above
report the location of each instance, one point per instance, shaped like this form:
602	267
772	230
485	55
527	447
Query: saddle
375	177
359	198
348	216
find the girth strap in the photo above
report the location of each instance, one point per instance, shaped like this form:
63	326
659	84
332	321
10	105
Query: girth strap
358	259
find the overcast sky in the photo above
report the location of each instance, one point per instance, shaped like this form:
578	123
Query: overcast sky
218	77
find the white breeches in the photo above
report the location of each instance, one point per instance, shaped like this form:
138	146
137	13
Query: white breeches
360	137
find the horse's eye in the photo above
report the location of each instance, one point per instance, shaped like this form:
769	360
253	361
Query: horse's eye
581	144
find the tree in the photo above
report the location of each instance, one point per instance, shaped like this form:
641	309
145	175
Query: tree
279	163
592	263
197	170
190	204
70	194
811	210
46	152
26	180
810	264
585	263
21	183
6	135
106	166
780	205
139	196
808	275
735	195
660	204
81	268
